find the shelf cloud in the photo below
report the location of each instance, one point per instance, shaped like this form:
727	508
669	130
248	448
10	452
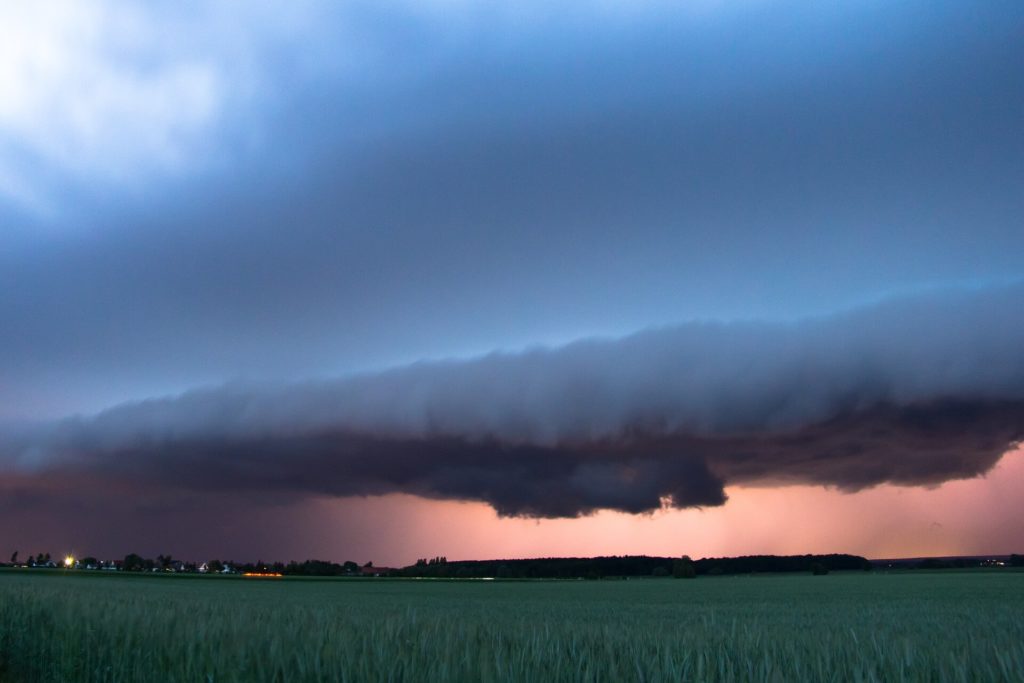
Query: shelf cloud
913	391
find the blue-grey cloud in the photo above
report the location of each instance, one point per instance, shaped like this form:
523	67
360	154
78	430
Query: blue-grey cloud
456	179
913	391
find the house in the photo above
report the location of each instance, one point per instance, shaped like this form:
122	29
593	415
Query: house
375	571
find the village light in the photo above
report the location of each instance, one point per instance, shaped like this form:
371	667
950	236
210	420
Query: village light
69	561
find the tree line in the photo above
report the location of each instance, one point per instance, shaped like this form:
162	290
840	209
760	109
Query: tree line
625	566
631	566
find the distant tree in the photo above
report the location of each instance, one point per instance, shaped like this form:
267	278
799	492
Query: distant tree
215	566
683	568
164	561
89	561
14	557
350	567
134	563
1017	560
659	571
818	569
368	564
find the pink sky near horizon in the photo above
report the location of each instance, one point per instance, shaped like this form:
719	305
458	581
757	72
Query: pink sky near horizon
984	515
981	516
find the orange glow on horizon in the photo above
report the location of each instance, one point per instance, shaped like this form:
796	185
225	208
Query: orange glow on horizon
984	515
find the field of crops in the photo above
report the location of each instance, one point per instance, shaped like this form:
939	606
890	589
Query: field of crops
912	626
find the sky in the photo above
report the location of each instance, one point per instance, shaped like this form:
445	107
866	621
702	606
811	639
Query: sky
387	280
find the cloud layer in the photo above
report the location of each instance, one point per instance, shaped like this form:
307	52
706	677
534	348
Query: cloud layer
241	190
912	391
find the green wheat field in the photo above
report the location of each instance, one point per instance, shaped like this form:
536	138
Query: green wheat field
900	626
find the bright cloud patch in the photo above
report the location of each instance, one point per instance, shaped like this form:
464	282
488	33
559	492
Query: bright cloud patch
97	88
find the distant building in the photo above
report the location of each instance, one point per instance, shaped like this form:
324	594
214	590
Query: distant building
375	571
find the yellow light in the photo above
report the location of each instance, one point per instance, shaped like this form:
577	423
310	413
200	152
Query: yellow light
69	561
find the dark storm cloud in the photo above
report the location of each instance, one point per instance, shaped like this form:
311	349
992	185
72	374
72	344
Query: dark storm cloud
914	391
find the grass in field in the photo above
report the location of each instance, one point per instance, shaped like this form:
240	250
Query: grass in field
939	626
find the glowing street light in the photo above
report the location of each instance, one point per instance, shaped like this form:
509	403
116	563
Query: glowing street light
69	561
